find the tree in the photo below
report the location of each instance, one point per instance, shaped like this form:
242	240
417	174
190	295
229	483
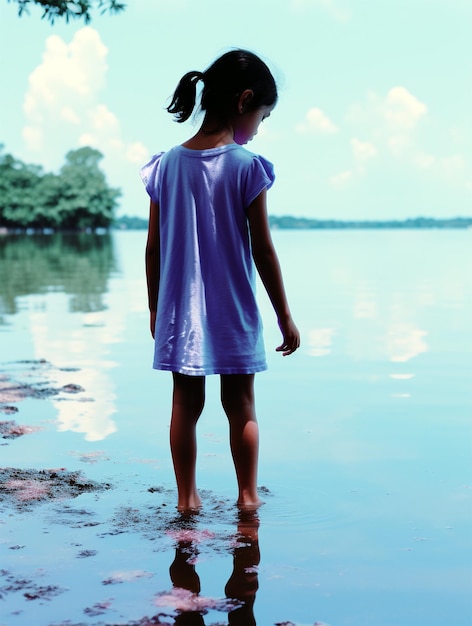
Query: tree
70	9
18	185
85	200
78	198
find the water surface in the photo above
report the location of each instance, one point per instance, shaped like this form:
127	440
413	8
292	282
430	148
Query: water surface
365	461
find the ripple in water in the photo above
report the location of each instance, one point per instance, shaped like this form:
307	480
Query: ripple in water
313	510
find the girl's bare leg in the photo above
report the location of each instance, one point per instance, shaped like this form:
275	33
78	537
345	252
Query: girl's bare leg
187	404
237	398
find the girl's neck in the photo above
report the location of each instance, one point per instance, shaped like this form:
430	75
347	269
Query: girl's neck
207	137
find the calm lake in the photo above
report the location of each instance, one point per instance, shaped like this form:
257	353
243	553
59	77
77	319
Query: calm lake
366	443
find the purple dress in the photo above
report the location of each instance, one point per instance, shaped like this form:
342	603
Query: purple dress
207	317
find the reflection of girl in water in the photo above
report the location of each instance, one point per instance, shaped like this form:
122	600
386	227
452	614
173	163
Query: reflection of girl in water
243	582
208	223
240	589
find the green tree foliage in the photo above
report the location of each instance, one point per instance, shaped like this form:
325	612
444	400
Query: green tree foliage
18	183
70	9
78	198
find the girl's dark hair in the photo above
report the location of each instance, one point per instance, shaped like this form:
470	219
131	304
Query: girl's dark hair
223	83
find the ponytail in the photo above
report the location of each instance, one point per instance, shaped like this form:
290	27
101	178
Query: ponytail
183	100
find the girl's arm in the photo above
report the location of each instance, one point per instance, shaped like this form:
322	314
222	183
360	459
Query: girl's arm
267	264
153	254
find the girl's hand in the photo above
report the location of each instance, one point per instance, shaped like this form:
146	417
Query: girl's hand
152	322
291	337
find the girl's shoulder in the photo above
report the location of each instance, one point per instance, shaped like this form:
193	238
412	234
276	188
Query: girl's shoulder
146	171
260	166
250	161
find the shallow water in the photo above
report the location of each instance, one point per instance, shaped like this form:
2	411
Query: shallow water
365	464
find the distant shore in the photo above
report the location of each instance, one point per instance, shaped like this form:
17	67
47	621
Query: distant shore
289	222
285	222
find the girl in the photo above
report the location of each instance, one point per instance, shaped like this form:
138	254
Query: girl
208	222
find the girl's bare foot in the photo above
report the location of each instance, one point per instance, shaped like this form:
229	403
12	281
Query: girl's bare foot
193	504
249	502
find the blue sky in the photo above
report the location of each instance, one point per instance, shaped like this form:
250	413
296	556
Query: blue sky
373	121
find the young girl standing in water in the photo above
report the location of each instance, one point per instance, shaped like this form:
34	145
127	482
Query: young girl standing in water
208	223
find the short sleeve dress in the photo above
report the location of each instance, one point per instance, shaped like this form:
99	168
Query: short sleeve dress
207	318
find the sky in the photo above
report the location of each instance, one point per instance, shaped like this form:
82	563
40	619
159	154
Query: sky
375	97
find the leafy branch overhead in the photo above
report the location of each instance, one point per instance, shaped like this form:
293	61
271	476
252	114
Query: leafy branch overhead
70	9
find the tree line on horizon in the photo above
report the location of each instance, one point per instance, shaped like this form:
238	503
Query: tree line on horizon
291	222
304	223
77	198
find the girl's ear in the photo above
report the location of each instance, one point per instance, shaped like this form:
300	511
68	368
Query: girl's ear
244	100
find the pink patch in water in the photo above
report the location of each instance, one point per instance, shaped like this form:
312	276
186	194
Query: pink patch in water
126	576
19	429
12	429
92	457
11	393
190	536
184	600
27	489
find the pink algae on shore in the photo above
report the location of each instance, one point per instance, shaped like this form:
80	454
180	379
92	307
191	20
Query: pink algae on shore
27	489
11	392
28	486
10	429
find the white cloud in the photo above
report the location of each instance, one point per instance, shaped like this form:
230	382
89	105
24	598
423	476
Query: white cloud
33	137
137	153
69	115
363	151
87	139
339	180
391	122
394	115
316	121
66	72
62	106
402	109
102	119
